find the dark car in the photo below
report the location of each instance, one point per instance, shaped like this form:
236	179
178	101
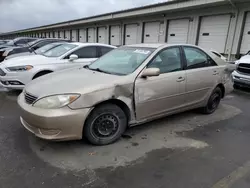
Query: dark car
29	47
17	42
38	51
3	42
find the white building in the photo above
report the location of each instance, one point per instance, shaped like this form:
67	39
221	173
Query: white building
222	25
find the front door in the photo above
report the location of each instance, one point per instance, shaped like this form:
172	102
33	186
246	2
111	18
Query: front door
163	93
202	75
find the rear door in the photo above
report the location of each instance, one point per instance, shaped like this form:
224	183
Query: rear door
164	93
202	75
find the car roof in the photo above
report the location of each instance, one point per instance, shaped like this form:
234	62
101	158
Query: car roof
145	45
91	44
158	45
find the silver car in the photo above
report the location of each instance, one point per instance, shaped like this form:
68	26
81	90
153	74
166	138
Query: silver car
127	86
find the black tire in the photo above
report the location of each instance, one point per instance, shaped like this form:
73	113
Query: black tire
105	124
41	74
213	101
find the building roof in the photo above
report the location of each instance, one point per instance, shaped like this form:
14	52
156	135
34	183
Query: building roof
170	5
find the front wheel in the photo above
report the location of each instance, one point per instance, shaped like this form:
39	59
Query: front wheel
213	102
105	125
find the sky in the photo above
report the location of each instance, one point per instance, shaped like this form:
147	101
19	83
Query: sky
21	14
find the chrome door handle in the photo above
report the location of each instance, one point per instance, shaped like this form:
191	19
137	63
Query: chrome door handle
180	79
215	73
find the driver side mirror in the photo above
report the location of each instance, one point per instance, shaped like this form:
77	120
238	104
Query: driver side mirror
149	72
73	57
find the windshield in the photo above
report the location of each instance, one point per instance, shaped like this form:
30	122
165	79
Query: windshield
11	42
59	50
46	48
122	61
32	42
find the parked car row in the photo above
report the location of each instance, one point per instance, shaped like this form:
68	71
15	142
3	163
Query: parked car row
73	90
241	76
23	45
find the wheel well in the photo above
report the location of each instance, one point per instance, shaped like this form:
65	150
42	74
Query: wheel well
41	73
119	103
221	86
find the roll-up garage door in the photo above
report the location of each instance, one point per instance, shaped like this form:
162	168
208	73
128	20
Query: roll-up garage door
56	35
62	34
131	31
82	35
101	35
74	35
52	34
245	43
115	35
151	32
91	34
178	31
67	35
214	31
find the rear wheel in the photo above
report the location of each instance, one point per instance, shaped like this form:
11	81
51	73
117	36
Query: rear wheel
213	102
105	125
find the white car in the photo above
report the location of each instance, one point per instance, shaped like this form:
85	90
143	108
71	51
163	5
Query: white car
241	76
219	55
17	72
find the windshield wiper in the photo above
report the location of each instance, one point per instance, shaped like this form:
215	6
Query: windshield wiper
97	69
100	70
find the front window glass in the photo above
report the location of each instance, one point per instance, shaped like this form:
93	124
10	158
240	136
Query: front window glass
122	61
32	42
11	42
168	60
59	50
46	48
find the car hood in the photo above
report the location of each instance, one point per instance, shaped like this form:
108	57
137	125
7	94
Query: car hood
19	55
28	60
76	80
244	59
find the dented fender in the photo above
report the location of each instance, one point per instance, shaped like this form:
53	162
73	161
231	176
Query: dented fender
123	93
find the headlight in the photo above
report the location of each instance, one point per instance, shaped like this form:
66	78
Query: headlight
19	68
55	101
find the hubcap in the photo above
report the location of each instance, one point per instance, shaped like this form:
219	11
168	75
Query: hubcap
105	125
214	102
